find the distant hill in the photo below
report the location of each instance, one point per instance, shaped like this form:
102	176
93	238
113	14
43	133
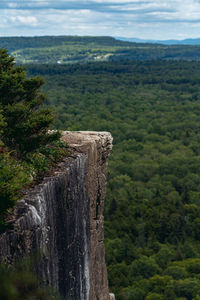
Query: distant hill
62	49
82	49
165	42
16	43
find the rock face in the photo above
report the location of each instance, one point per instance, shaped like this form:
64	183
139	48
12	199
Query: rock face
112	296
62	219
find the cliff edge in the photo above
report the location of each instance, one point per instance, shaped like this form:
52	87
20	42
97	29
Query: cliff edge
62	219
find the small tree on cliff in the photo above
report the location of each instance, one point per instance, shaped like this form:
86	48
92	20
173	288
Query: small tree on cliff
26	120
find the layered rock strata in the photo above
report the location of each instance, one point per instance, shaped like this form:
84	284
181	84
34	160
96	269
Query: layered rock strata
62	220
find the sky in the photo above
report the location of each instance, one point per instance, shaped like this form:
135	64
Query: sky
146	19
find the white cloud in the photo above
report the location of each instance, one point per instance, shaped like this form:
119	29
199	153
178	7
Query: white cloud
25	20
138	18
12	5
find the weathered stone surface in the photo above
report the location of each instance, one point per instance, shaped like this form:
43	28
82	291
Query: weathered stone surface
112	296
62	218
97	146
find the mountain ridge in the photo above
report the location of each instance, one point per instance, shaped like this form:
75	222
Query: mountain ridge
188	41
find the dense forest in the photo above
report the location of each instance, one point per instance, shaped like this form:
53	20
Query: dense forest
83	49
152	213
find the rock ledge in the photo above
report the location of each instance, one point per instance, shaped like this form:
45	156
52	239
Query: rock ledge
62	218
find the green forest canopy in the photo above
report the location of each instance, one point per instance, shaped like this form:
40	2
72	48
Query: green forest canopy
152	213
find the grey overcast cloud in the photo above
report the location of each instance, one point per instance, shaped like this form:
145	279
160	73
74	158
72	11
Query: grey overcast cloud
148	19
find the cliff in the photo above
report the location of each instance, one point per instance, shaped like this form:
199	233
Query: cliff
62	219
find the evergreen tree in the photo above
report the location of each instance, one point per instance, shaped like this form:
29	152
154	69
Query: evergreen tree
27	121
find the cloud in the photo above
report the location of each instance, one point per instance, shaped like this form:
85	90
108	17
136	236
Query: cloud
176	9
25	20
146	18
98	5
